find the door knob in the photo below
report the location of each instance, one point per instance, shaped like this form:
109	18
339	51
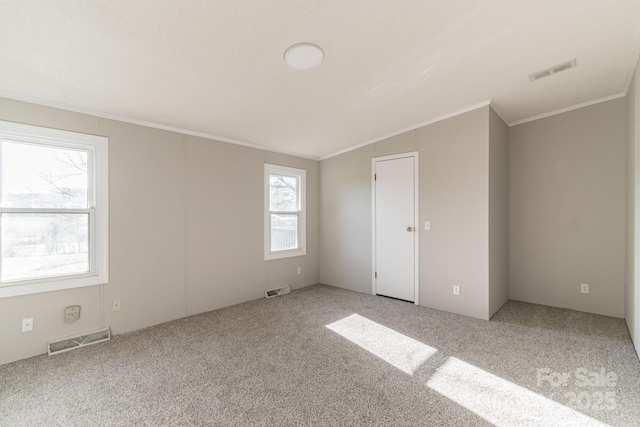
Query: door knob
409	229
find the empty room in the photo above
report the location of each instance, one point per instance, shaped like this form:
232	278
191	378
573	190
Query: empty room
288	213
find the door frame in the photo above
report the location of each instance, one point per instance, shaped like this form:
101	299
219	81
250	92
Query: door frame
416	236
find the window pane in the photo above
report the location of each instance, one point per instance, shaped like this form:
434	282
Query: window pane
39	176
283	193
42	245
284	232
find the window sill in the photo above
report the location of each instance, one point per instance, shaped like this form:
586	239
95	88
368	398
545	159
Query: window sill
284	254
50	284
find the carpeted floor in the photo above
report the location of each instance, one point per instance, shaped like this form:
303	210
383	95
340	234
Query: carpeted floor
326	356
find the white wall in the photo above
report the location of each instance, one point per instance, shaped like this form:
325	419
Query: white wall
567	209
454	196
186	231
632	287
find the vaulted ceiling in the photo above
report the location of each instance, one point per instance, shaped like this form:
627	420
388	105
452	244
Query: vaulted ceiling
216	68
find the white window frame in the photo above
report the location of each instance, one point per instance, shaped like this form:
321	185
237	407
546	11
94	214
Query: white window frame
97	149
301	175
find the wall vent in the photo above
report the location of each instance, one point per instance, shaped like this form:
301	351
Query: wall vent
72	342
552	70
270	293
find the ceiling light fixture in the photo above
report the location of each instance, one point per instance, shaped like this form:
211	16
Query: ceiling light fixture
303	56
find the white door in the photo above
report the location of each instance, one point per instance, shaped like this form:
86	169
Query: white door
394	228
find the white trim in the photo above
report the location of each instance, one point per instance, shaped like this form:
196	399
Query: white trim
496	110
634	59
154	125
492	103
47	136
567	109
373	227
635	200
632	65
301	175
416	220
97	148
410	128
149	124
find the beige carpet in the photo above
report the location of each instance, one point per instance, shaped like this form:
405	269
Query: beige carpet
326	356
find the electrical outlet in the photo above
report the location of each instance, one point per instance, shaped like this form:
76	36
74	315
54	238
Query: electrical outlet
584	288
116	305
72	313
27	324
299	271
456	290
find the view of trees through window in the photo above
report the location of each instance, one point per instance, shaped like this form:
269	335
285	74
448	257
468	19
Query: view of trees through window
44	230
283	198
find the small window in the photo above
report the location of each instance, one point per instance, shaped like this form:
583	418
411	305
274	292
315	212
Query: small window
285	219
53	209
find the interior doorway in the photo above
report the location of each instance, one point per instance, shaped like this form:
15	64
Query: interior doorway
395	221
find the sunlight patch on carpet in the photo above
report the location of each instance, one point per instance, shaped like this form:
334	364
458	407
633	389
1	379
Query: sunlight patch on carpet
499	401
394	348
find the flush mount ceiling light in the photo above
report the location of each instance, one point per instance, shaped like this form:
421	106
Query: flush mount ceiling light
303	56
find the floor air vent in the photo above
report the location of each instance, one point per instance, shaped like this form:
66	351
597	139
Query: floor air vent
76	341
278	291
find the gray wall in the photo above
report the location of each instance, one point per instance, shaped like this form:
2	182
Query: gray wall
632	289
567	209
498	212
186	220
454	196
345	213
345	220
454	185
186	232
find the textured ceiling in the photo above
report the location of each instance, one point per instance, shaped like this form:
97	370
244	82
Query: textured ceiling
216	67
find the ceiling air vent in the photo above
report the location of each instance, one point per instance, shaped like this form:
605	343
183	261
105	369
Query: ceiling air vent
552	70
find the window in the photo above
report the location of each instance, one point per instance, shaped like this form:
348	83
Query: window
53	209
284	221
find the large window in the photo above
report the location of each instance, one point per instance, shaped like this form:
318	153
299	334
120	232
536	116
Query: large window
53	209
284	222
